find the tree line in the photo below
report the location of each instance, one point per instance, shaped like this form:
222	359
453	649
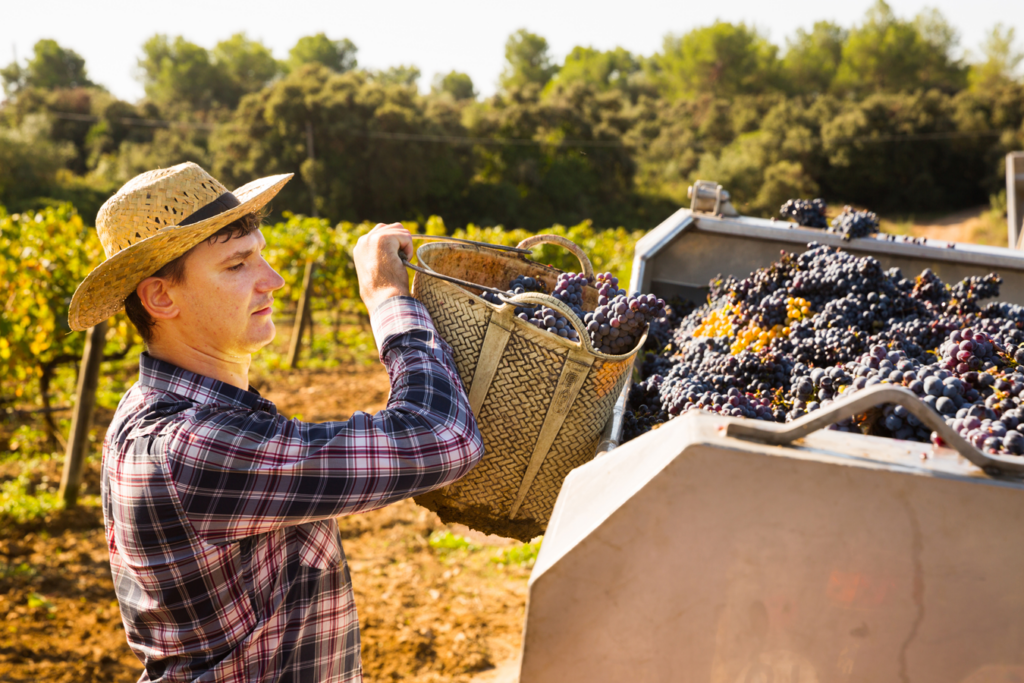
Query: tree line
887	113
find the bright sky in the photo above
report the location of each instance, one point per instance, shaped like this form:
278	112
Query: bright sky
434	35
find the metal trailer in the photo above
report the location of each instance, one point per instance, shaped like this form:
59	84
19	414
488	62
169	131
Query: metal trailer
724	550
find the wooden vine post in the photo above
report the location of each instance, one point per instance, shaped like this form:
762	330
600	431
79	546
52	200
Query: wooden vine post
81	419
303	316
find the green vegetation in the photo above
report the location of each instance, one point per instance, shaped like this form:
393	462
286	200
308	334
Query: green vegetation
445	543
524	554
885	113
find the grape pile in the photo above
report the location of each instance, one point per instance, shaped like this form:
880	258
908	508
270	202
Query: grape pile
808	213
852	224
814	327
614	327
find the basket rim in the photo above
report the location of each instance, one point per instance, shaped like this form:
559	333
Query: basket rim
502	309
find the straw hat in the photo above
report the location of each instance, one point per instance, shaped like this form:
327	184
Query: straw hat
155	218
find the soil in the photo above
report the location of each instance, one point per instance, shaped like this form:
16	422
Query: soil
426	613
955	227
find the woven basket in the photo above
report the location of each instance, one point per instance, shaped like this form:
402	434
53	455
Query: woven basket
540	400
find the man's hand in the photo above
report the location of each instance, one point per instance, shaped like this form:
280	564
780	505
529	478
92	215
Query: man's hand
381	272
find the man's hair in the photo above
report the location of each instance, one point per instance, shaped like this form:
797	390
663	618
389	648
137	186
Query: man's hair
174	272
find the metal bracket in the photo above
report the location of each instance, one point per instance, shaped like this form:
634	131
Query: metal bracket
707	196
780	435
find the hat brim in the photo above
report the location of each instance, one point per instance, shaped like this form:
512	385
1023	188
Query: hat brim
104	290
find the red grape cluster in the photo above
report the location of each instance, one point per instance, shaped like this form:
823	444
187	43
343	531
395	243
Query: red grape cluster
616	326
852	223
810	213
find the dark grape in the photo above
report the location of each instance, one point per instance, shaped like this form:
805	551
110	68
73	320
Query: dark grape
851	224
811	328
808	213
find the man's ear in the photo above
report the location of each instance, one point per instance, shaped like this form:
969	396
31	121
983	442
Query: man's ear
155	295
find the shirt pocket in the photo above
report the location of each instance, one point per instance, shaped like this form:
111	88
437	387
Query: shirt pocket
319	544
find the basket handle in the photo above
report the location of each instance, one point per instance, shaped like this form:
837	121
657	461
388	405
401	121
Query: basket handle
533	240
538	299
779	435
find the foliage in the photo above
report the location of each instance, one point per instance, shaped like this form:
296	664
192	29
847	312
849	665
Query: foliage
812	57
1002	59
30	159
247	64
291	242
454	83
401	75
603	69
524	554
889	54
528	61
445	542
44	255
723	59
354	174
879	113
179	74
337	55
51	66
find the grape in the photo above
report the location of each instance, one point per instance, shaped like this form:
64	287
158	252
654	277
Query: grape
852	223
614	327
808	213
811	328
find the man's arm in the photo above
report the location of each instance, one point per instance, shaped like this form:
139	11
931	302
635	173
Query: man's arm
238	473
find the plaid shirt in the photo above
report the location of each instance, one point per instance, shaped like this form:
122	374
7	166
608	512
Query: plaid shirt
219	512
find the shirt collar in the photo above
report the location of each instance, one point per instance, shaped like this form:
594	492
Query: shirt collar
168	377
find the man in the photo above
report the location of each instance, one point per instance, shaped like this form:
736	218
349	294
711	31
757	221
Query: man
219	512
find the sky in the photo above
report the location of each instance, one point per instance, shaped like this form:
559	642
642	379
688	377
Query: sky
437	36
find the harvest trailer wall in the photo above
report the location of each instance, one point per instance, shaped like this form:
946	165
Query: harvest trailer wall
683	254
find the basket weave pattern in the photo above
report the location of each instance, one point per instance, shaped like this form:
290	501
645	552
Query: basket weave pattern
540	401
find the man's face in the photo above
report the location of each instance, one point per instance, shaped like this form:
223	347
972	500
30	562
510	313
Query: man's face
225	300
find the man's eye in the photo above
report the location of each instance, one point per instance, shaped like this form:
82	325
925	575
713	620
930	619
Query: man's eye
238	267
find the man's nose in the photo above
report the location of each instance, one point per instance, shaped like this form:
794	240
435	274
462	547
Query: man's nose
271	280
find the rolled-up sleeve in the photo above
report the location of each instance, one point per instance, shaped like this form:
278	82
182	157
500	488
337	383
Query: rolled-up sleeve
240	472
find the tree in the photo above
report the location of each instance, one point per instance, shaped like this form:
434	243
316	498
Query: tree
337	55
527	61
456	84
180	74
888	54
397	75
812	57
364	165
51	66
723	59
247	64
1002	59
602	69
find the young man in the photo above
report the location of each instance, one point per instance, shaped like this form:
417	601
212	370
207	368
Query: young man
219	512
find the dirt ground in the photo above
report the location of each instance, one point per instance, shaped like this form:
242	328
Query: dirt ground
968	226
427	613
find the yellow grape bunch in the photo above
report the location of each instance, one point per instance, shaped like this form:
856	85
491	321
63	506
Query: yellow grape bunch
721	323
